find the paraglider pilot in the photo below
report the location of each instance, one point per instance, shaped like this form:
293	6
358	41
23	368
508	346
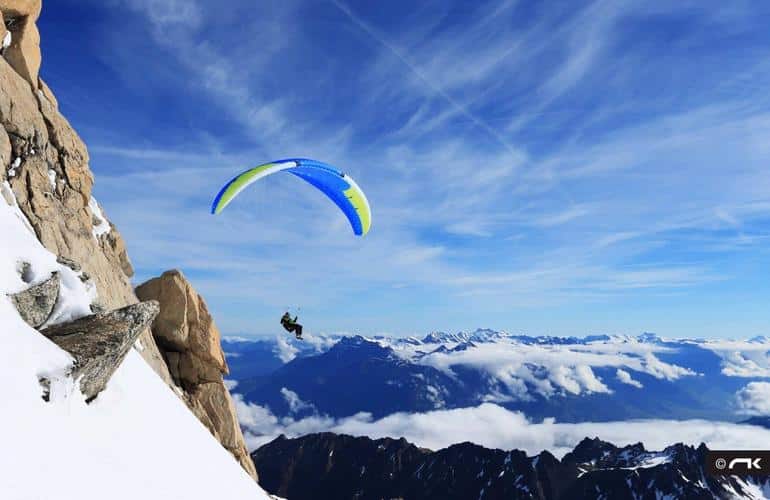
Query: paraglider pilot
291	325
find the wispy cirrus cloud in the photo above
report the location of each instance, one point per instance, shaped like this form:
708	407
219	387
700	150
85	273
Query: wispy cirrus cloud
519	157
169	13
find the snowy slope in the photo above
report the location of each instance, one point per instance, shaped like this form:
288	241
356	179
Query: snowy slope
137	440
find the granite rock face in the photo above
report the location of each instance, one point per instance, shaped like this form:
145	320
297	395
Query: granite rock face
23	53
99	343
44	170
185	328
191	344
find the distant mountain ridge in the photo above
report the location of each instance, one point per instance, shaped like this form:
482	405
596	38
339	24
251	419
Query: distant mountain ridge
758	421
319	466
593	378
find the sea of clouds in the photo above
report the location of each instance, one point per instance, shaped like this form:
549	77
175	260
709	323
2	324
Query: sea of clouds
493	426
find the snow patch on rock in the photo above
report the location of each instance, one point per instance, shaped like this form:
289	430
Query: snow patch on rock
52	178
14	166
101	226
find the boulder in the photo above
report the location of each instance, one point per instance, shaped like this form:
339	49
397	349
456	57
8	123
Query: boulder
185	326
99	343
185	332
36	303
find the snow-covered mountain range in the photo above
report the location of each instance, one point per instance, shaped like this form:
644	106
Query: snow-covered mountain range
596	378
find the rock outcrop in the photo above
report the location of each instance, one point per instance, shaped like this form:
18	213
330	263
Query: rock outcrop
45	164
190	341
185	330
36	303
23	52
99	343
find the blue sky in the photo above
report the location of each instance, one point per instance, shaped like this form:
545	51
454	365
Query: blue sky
543	167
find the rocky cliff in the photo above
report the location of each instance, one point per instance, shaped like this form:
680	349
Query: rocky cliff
45	174
191	344
45	165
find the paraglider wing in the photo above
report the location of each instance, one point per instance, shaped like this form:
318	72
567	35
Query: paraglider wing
339	187
243	180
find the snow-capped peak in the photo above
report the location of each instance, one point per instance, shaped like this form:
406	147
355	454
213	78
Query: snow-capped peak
443	337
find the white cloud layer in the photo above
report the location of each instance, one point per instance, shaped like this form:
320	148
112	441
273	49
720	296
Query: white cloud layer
754	399
524	369
741	358
492	426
